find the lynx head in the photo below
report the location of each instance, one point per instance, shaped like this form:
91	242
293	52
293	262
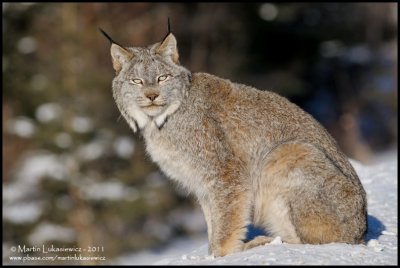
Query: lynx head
150	84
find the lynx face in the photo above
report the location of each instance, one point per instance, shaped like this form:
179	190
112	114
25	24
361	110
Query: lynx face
149	84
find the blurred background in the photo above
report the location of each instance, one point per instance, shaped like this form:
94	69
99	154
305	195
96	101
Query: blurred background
74	174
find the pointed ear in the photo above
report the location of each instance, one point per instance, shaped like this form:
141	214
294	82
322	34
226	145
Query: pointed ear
168	48
120	56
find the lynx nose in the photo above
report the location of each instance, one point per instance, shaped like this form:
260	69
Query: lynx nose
152	96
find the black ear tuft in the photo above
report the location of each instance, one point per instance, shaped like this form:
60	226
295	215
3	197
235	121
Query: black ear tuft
169	30
108	37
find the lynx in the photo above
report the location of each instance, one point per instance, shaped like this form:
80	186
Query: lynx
248	156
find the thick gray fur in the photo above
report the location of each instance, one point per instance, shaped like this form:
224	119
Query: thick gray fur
249	156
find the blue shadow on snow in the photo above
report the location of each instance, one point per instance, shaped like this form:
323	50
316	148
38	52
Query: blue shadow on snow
375	228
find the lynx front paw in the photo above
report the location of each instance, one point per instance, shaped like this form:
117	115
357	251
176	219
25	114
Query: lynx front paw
228	248
258	241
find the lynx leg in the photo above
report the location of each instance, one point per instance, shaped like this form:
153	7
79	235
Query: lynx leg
339	218
308	198
207	215
230	215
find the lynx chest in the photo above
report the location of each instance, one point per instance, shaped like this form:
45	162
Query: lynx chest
175	161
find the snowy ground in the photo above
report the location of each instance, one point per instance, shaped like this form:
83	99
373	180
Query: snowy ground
380	182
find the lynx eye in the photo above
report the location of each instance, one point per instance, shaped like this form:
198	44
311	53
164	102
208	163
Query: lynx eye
163	77
136	81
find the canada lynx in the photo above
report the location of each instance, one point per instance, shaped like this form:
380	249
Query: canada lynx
249	156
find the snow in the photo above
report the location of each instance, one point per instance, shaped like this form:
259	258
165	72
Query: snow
380	183
111	190
91	151
20	200
21	126
20	213
81	124
48	112
124	147
51	232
